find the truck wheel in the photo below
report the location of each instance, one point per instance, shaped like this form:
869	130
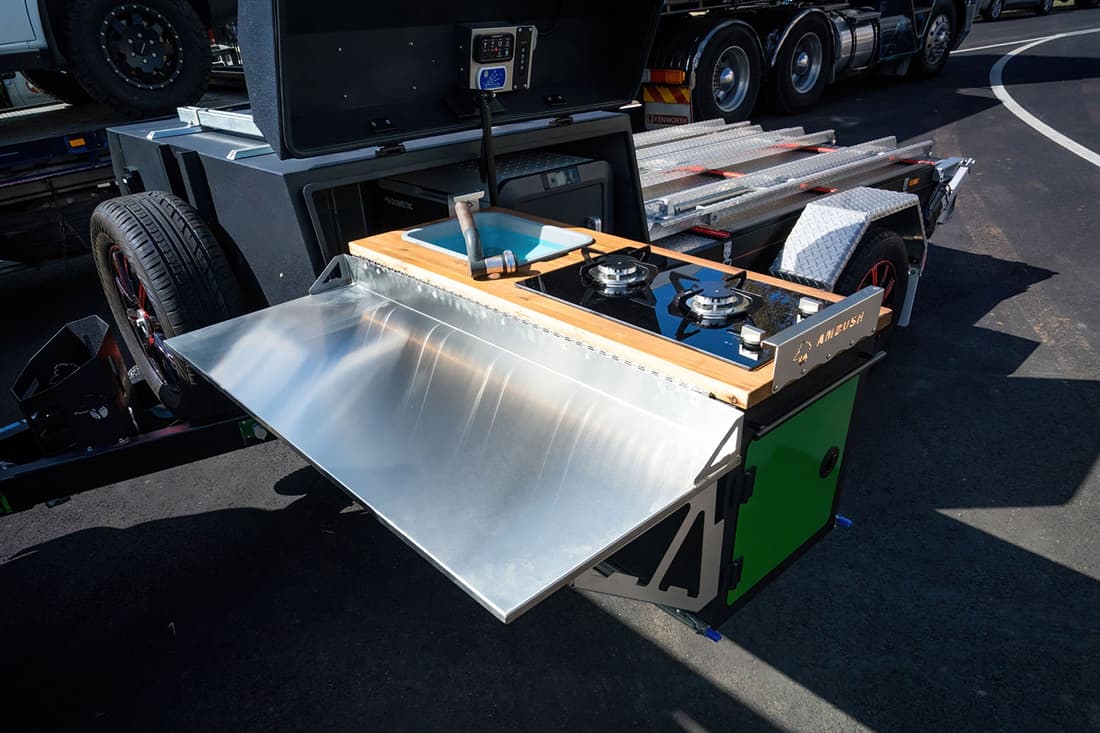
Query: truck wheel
1044	7
935	46
993	12
728	75
142	58
802	66
164	274
58	85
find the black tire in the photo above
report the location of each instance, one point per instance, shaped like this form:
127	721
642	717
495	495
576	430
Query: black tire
164	274
879	246
1044	7
59	85
171	64
935	44
993	12
881	251
801	69
728	76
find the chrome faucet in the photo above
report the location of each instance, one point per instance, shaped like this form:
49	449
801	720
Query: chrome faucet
463	208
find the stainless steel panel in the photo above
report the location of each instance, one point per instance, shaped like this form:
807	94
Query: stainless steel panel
511	457
817	339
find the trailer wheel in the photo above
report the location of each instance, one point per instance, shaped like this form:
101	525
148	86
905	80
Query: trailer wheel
164	274
141	58
729	75
935	45
802	66
880	259
59	85
993	12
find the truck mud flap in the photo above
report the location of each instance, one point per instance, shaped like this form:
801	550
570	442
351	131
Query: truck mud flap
511	457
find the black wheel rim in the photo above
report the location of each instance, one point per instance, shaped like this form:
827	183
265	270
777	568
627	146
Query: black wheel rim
141	46
143	320
884	275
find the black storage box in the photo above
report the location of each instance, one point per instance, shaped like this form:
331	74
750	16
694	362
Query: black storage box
339	76
565	188
71	391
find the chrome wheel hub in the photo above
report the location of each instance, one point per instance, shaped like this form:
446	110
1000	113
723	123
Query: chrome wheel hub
730	84
806	63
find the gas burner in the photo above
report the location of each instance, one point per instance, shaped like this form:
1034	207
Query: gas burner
618	274
717	303
710	303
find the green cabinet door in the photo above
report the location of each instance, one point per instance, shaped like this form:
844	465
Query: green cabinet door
791	501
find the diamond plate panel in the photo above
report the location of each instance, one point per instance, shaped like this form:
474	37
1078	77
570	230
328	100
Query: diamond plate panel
729	154
680	132
678	147
828	231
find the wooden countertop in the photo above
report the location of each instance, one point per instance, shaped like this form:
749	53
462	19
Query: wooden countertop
724	381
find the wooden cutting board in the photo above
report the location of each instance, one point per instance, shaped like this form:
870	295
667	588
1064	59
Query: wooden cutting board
724	381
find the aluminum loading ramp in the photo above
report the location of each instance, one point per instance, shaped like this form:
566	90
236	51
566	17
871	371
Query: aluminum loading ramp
513	458
716	175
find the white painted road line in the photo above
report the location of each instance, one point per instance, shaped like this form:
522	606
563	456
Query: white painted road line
999	45
995	79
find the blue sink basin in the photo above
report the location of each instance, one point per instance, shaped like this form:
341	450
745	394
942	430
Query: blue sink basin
530	241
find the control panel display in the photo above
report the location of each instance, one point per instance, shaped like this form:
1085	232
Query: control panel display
493	47
497	58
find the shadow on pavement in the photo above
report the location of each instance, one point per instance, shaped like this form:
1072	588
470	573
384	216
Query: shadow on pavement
914	620
311	617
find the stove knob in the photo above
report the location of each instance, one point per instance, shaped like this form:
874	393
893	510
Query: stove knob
751	337
808	306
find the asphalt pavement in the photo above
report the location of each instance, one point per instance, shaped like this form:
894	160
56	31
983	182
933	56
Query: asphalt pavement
245	593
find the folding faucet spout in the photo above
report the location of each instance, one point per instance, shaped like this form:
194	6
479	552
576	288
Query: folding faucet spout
480	266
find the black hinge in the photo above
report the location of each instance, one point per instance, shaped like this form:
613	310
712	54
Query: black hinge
561	121
731	574
743	486
391	149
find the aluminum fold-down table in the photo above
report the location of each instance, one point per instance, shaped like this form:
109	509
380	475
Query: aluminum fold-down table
510	456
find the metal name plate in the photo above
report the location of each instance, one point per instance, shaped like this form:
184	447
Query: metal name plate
815	340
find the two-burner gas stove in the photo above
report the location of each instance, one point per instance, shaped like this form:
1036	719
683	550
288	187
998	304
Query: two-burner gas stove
719	313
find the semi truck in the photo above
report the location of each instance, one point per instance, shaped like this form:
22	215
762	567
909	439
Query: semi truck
719	58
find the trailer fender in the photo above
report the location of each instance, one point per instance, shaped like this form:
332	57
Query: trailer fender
830	229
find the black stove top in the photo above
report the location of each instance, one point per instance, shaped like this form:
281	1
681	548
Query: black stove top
698	306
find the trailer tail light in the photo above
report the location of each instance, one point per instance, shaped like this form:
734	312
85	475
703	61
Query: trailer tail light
663	76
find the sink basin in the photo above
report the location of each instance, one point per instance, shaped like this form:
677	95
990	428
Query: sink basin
530	241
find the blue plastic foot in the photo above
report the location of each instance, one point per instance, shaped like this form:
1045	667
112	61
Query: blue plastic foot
713	635
843	522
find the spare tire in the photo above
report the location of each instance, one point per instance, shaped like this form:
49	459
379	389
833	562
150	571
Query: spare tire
164	274
141	58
